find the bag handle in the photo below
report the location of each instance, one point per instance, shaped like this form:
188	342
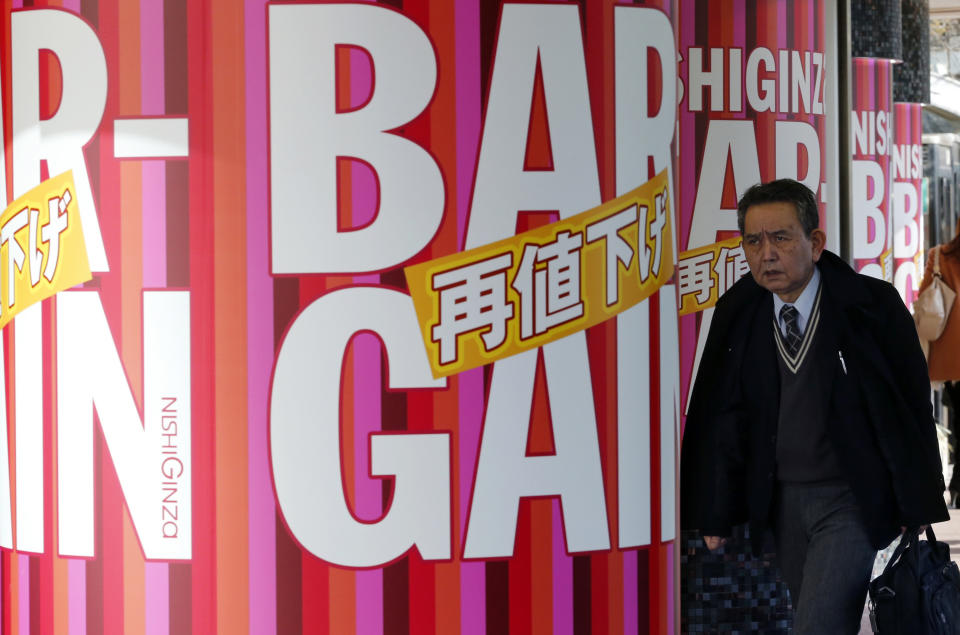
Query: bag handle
936	262
909	540
904	541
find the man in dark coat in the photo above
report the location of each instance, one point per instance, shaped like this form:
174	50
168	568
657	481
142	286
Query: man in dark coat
810	415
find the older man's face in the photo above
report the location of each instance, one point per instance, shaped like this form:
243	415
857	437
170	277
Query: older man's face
781	256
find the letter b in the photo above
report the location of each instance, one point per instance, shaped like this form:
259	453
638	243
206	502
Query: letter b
868	178
308	135
906	233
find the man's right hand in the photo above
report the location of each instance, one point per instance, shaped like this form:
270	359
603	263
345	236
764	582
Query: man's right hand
714	542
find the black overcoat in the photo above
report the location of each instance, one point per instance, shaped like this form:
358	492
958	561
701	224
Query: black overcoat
879	418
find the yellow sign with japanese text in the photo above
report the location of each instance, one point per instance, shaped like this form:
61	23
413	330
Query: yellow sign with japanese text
42	250
705	273
886	262
494	301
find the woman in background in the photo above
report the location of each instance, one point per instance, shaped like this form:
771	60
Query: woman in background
943	360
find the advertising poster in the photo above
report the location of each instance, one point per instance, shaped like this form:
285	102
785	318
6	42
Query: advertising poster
754	108
871	141
757	103
367	315
907	211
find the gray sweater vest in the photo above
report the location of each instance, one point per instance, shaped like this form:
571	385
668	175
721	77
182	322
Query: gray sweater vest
804	452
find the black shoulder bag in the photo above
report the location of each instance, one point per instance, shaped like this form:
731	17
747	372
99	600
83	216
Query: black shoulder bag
918	592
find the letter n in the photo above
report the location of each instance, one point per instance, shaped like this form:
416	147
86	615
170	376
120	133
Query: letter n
91	377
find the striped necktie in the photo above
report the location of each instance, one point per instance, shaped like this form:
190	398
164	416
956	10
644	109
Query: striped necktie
790	316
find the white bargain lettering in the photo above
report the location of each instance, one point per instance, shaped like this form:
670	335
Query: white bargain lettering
305	438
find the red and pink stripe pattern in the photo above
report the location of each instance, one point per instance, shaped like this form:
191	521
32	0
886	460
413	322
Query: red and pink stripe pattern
202	223
872	134
723	150
907	204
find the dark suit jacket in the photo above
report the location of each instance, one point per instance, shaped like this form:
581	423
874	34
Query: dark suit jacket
879	419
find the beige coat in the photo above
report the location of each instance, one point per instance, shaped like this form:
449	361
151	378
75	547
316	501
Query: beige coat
944	358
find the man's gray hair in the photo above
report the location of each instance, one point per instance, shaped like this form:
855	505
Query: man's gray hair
782	191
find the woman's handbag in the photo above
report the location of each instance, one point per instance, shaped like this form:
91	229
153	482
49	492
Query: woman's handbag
918	592
932	307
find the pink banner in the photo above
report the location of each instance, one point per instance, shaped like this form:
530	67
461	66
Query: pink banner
906	202
233	427
871	141
752	110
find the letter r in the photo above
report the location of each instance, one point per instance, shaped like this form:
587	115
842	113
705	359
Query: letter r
61	138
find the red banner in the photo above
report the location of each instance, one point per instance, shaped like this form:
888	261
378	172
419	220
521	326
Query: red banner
753	109
233	427
871	142
906	202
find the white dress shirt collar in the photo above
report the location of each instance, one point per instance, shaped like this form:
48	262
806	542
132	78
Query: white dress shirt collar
803	304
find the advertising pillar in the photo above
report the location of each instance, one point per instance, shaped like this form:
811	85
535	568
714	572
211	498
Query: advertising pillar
753	109
906	199
758	79
871	142
377	331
